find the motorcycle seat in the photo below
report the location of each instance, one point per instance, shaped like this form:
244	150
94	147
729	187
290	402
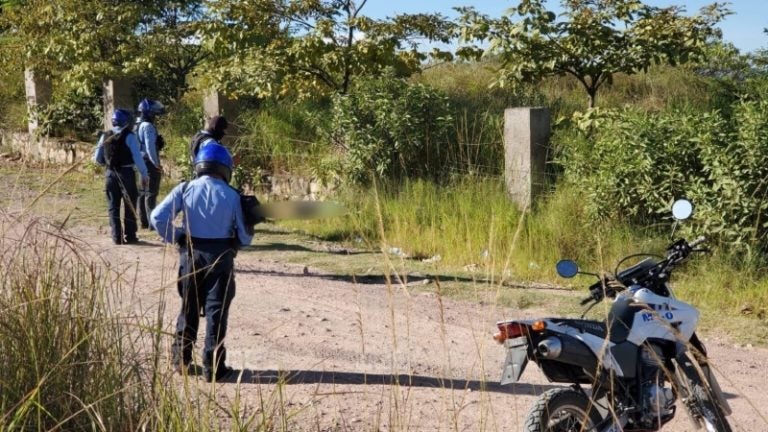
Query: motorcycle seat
618	333
597	328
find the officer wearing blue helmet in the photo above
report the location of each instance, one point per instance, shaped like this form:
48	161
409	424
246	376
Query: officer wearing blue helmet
211	230
150	143
118	151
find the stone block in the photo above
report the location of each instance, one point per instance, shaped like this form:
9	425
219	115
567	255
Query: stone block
117	94
526	148
38	91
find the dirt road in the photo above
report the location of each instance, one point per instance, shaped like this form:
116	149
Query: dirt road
367	356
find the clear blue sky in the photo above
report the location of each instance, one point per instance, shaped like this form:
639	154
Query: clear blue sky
744	28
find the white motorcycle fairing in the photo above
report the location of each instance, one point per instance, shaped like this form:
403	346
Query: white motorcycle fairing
654	317
665	318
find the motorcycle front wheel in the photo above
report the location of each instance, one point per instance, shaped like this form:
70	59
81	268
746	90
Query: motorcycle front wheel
698	393
562	410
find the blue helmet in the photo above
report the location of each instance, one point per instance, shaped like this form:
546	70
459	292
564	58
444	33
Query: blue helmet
215	159
150	108
121	117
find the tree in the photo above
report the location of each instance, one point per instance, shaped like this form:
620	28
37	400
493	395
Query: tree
591	40
85	41
169	46
313	47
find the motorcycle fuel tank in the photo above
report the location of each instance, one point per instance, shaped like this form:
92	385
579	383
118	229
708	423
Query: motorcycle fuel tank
661	318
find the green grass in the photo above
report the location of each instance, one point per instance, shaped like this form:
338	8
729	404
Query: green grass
480	236
74	357
77	365
459	223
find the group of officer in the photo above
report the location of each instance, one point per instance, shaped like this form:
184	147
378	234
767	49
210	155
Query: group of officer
211	229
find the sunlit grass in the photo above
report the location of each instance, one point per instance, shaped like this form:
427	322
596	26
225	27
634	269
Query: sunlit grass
471	227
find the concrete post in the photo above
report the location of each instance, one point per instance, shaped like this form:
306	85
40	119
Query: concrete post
526	145
215	104
117	94
38	90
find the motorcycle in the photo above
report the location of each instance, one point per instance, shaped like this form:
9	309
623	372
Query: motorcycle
638	362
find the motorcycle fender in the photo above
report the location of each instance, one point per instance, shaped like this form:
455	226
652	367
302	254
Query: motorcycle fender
718	392
706	372
517	358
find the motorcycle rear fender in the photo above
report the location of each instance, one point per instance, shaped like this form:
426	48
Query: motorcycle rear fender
517	359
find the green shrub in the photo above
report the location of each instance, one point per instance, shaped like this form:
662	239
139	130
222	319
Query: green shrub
283	137
183	120
633	164
391	129
73	114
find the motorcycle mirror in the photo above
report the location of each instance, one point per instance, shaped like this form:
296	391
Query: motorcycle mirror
682	209
567	268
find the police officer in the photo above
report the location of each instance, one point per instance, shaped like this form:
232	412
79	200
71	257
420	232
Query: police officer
118	151
213	133
150	143
212	230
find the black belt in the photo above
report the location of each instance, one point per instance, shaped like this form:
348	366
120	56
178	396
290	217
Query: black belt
198	241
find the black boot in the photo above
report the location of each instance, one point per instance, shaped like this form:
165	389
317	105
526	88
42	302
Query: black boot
216	371
181	355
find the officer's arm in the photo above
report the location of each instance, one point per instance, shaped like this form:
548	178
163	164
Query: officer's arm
149	136
98	154
163	215
244	234
133	144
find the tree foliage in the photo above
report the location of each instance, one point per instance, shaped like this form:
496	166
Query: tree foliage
388	128
633	164
312	47
591	40
85	41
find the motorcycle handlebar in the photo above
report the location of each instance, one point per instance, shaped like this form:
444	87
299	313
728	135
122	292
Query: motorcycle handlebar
677	252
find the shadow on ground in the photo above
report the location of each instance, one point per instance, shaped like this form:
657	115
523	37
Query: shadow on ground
293	377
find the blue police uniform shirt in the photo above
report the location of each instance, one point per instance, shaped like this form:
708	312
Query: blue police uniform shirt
133	145
147	135
212	211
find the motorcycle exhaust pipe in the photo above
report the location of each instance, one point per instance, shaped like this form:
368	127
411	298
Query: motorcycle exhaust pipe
567	349
550	348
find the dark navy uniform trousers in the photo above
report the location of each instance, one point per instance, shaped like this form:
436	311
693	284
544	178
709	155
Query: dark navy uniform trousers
121	190
148	195
207	282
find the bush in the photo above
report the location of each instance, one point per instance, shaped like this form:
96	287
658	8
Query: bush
634	164
178	126
73	114
392	129
69	363
282	137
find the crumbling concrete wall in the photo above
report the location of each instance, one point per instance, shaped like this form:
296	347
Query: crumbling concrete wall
51	150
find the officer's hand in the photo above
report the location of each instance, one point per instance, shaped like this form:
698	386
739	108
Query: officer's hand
144	182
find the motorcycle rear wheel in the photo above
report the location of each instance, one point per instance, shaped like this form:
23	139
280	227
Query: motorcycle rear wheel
562	410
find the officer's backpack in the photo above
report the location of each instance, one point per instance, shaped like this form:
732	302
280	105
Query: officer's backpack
116	151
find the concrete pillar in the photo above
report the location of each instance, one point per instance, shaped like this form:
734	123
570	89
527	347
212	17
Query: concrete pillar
117	94
526	145
38	90
215	103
